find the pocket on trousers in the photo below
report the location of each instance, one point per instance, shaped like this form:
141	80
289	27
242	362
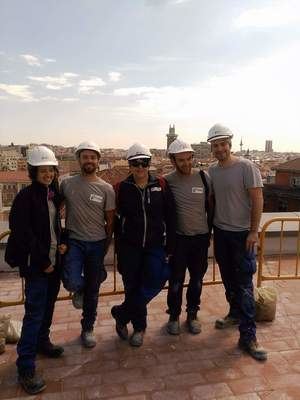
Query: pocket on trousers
248	266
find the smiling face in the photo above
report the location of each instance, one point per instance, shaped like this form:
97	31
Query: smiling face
88	161
221	149
140	168
45	174
183	162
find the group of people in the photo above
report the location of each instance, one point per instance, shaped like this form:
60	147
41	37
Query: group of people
162	227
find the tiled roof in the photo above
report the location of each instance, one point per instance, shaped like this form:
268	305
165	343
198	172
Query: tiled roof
14	176
291	165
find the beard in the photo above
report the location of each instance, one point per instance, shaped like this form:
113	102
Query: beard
88	168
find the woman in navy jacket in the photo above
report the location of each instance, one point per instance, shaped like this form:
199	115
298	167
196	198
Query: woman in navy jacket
33	247
144	239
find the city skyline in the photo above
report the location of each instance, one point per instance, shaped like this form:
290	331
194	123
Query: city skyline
120	72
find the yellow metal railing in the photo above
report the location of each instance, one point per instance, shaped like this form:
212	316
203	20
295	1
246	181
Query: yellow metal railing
114	291
279	275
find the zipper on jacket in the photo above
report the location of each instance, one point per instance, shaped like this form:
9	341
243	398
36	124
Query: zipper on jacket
148	195
142	192
123	223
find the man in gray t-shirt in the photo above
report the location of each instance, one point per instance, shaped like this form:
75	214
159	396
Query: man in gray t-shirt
90	205
237	190
190	190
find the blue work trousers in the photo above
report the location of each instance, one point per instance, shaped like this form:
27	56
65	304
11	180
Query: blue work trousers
41	292
144	274
83	271
237	267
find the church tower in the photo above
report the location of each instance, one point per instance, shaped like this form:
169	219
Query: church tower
171	136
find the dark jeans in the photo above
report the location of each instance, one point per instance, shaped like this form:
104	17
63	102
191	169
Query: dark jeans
144	274
40	295
190	253
237	267
82	272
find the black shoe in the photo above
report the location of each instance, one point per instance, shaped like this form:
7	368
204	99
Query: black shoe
31	382
121	329
226	322
137	338
50	350
253	348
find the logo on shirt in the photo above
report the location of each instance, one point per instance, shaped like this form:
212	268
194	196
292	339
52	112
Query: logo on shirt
156	189
198	190
96	198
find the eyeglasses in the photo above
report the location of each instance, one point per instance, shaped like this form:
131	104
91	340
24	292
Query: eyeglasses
143	162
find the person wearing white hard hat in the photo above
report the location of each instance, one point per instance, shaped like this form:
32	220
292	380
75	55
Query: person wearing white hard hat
34	246
191	192
237	190
144	238
89	203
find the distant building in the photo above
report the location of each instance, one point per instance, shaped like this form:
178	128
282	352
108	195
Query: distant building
9	159
269	146
171	136
284	194
202	150
11	183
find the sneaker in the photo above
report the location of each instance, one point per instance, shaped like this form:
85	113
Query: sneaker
226	322
88	339
50	350
31	382
137	338
77	300
253	348
121	329
173	327
193	325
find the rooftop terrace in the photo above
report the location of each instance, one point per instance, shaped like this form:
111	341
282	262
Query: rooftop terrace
200	367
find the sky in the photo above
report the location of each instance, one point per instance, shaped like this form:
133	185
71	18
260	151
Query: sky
121	71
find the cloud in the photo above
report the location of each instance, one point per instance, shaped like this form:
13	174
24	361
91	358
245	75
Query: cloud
59	82
261	100
31	60
21	91
280	13
114	76
89	86
49	60
70	99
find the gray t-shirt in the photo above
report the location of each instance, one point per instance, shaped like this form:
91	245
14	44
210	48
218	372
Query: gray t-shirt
85	205
230	186
189	194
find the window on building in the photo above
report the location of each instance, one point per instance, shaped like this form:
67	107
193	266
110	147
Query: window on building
295	181
282	205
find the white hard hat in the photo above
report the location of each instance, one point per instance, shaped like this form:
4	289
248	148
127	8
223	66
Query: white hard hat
138	150
179	146
88	145
41	155
219	131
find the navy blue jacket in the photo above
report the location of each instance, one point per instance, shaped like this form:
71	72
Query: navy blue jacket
146	217
28	244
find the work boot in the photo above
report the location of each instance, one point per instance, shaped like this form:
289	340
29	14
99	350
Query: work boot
31	382
226	322
88	339
173	327
121	329
193	324
253	348
77	300
137	338
50	350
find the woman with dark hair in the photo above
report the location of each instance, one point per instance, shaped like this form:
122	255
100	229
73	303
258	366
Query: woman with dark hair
34	246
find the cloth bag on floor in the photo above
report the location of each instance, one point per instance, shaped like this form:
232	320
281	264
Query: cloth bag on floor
265	303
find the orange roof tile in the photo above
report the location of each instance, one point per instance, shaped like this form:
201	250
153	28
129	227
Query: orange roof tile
14	176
